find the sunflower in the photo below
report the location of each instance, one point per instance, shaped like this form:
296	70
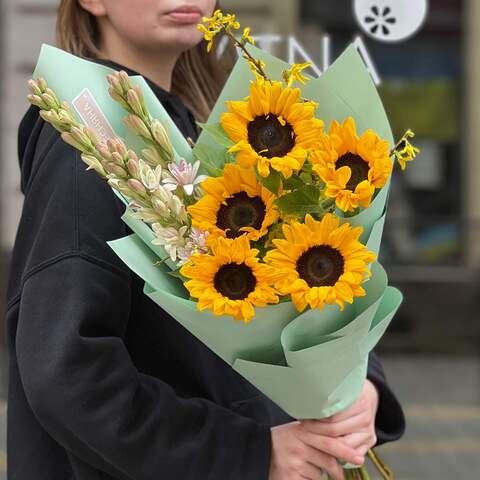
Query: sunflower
323	262
352	167
234	204
230	281
272	128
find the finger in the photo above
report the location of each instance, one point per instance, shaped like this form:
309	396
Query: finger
357	423
332	446
356	408
360	439
311	472
323	462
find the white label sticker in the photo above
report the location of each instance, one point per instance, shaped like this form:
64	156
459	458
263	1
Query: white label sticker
91	114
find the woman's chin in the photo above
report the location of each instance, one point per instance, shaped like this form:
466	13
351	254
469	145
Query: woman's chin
181	36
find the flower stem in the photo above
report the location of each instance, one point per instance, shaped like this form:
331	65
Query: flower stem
384	470
247	54
361	473
356	474
326	205
161	262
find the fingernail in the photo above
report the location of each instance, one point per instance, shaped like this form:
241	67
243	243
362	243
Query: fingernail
359	460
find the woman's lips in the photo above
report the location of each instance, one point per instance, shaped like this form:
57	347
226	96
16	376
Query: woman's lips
186	14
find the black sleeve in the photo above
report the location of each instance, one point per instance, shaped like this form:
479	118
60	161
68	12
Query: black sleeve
390	420
76	371
84	390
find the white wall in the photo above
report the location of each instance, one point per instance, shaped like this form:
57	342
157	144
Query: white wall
28	24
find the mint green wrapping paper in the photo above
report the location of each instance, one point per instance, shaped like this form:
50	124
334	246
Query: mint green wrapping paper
68	75
338	97
311	364
77	75
345	89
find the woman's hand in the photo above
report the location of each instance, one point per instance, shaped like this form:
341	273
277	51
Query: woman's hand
301	454
354	426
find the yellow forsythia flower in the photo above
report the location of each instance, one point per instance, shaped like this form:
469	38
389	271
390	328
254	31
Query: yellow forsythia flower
294	73
406	152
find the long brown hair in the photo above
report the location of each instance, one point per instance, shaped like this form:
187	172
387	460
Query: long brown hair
197	79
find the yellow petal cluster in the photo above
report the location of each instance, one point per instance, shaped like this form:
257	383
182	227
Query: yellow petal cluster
294	73
203	271
246	37
271	99
342	240
369	148
218	190
407	152
217	23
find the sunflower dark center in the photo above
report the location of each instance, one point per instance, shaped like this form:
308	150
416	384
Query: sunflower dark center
235	281
357	165
269	137
240	211
321	266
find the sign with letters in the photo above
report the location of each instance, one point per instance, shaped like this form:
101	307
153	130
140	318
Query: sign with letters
385	21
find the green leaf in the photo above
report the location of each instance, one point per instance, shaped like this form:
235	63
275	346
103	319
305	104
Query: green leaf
307	167
348	214
301	201
211	159
273	182
293	183
216	131
229	157
306	177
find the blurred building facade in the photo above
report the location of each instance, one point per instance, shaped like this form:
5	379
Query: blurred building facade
429	82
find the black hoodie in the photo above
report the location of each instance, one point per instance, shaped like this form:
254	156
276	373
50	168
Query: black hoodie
103	383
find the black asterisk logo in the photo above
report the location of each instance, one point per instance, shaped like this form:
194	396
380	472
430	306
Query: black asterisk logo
380	20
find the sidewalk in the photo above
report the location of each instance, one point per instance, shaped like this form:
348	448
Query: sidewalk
441	396
3	456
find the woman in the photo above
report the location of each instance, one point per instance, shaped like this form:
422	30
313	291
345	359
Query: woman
103	383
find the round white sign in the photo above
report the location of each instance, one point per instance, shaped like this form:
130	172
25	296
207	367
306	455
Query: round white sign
391	20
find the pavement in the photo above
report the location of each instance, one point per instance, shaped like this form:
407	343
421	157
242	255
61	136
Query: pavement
3	432
441	397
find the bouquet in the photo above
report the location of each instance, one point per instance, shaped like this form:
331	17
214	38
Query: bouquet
262	238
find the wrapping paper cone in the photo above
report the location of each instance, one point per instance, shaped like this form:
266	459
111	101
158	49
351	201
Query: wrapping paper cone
311	364
345	89
338	96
